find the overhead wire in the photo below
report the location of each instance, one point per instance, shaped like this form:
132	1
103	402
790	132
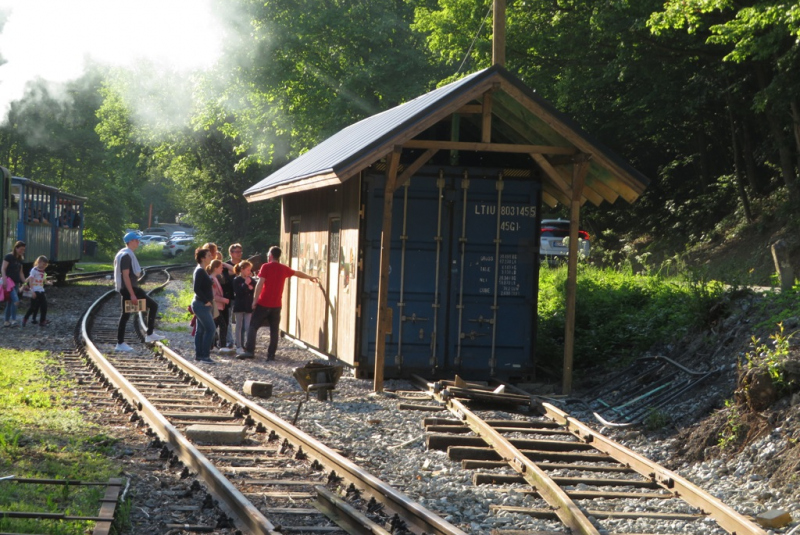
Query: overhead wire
480	29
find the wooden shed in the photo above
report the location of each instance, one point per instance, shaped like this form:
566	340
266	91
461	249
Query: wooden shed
423	223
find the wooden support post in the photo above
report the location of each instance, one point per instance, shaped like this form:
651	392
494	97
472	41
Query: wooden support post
579	171
499	33
384	315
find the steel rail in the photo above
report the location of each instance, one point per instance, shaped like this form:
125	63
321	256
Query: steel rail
238	504
240	507
191	457
566	509
726	517
394	500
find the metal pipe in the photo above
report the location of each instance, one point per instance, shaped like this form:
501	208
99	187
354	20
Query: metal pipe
493	359
398	359
438	240
463	242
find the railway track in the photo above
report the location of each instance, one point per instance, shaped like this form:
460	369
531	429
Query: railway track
268	476
91	275
575	474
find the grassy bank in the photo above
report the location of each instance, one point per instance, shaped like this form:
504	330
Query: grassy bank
619	314
41	436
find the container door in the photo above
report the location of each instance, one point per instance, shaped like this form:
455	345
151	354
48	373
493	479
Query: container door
334	234
450	311
493	274
294	263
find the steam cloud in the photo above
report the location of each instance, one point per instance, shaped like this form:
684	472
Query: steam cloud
55	41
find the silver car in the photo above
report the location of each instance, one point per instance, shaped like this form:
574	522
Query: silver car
554	241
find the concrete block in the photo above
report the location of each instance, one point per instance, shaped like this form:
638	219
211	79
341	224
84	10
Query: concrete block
774	518
258	389
231	435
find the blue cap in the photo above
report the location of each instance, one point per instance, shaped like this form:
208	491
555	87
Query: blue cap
130	236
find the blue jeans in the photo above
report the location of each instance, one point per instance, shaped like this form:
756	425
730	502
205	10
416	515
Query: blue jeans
12	298
204	336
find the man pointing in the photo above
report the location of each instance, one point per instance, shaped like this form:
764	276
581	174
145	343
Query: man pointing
267	307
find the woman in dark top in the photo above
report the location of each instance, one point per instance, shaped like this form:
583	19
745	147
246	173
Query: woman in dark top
11	279
201	306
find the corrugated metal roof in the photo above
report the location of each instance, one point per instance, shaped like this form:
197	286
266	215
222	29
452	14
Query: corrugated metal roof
339	157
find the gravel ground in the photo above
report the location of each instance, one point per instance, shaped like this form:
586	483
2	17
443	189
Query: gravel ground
371	430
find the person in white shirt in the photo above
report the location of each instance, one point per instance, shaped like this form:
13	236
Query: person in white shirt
126	274
36	282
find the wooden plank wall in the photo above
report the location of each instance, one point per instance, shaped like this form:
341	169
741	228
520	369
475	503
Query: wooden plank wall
314	211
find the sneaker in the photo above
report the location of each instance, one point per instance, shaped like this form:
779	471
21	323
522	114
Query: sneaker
227	351
123	347
155	337
24	321
245	355
14	324
207	360
7	324
35	322
44	323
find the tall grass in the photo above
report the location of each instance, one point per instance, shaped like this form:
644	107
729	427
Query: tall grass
619	314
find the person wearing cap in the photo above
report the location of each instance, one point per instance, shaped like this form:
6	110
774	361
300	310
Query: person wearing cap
125	265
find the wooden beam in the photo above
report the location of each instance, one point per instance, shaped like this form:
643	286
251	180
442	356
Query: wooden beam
579	171
409	171
470	109
486	147
384	314
551	173
314	182
499	33
486	125
629	187
549	200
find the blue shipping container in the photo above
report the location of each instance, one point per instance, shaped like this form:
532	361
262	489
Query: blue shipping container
463	279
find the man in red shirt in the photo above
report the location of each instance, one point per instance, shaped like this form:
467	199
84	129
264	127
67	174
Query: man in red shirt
267	307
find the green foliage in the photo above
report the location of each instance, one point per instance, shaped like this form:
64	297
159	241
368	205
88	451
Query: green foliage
778	307
176	317
619	314
733	431
656	420
772	356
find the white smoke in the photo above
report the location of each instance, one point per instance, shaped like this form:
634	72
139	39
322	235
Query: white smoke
55	40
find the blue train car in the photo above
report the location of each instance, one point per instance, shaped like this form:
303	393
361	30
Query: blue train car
48	220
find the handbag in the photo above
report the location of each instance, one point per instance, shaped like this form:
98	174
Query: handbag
214	310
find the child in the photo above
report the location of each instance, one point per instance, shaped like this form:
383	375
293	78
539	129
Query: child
36	281
243	287
214	269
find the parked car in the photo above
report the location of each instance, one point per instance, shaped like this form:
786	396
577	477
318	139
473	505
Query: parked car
180	234
178	246
157	231
553	243
148	239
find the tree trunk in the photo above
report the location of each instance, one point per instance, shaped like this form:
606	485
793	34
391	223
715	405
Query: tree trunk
736	168
796	128
784	149
750	162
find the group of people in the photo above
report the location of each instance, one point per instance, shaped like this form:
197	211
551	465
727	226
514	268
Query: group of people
225	293
13	283
221	286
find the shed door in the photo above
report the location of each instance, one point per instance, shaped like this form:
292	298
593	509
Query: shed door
442	286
